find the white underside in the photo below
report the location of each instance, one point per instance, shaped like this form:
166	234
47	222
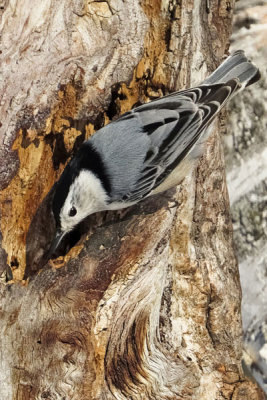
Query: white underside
175	177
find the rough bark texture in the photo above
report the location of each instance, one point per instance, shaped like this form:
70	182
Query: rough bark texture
246	168
147	306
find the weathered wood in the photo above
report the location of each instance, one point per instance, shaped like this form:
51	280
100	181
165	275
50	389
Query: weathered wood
148	305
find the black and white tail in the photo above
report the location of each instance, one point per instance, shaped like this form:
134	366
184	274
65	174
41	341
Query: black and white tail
236	66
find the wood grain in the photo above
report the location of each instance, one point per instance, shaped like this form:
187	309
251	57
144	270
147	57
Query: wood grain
147	306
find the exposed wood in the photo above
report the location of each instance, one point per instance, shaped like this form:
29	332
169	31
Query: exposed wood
147	306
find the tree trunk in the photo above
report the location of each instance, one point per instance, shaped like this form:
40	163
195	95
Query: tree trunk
246	162
147	305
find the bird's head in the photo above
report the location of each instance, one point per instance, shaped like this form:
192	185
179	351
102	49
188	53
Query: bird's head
78	193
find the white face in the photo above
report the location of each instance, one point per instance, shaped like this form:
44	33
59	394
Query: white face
86	196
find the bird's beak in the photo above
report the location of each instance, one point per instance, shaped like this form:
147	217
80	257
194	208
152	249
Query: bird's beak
55	244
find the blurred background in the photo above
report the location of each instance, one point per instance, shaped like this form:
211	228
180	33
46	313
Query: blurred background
246	165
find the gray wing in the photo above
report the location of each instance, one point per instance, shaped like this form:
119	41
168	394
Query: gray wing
173	125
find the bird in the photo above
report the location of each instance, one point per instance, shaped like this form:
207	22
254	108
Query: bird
146	150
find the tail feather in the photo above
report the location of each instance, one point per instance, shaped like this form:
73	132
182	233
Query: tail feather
235	66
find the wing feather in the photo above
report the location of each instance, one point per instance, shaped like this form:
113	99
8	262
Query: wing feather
173	125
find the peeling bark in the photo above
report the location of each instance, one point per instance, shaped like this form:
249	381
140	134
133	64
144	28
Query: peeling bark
147	304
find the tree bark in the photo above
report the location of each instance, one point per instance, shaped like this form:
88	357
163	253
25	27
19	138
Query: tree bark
147	304
245	148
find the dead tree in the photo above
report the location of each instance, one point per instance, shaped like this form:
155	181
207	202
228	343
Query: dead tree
147	304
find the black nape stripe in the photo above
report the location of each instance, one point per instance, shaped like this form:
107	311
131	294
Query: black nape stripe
61	191
87	158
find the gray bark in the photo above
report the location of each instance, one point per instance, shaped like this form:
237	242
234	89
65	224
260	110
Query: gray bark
246	161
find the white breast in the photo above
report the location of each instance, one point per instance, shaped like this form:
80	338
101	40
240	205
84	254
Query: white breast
175	177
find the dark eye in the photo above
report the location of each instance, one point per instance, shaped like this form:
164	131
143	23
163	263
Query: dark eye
72	212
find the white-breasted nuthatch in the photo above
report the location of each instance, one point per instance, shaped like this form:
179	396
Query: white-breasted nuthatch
147	150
